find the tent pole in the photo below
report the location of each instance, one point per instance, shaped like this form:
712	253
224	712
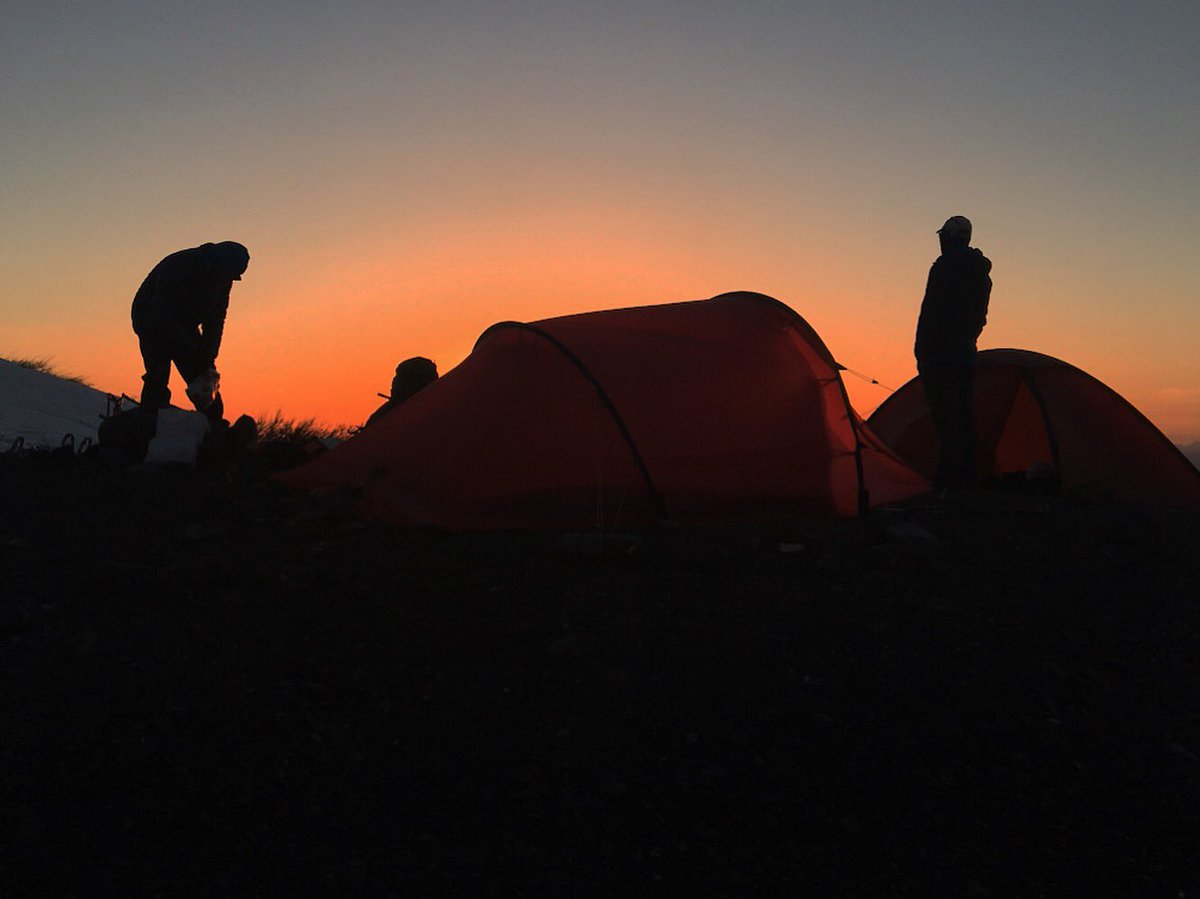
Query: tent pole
1051	437
660	503
864	495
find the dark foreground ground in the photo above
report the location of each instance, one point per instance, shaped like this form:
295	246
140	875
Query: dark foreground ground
211	687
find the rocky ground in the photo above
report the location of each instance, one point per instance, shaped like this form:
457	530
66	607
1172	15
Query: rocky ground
214	687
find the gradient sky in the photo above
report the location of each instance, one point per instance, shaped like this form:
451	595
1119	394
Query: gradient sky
406	174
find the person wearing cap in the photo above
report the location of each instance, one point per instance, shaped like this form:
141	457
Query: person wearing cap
953	313
179	317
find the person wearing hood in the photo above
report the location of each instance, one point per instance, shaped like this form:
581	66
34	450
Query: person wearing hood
179	317
953	313
412	375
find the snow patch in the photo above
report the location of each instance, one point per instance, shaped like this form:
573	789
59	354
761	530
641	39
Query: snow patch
42	408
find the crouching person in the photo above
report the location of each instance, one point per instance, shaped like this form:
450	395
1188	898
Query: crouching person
411	376
179	317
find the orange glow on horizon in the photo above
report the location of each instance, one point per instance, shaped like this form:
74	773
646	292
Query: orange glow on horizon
317	332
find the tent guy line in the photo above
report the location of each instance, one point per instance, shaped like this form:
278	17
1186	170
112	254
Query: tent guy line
868	379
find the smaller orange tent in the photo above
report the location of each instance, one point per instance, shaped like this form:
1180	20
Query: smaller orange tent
1031	410
724	409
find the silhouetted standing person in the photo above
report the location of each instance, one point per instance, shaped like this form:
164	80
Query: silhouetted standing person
952	317
179	317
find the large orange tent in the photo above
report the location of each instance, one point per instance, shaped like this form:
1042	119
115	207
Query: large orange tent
1036	412
724	409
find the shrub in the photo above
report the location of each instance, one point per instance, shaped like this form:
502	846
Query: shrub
290	430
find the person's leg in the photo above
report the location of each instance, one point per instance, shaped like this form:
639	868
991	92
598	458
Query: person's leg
939	395
970	430
156	357
216	410
959	449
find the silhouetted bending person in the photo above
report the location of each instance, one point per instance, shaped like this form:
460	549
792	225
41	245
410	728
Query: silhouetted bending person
952	317
411	375
179	317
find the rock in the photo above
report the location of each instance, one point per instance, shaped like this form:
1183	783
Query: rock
912	542
1134	527
568	645
1091	492
882	555
599	544
1041	472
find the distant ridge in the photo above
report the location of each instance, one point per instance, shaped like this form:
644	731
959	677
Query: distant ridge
1192	451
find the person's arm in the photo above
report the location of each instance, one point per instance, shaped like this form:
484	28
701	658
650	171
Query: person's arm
213	327
929	320
981	305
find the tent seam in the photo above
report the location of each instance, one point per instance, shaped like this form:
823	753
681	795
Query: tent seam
605	401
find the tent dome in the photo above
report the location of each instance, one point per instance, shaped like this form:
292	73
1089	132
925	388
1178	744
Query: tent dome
1034	412
730	408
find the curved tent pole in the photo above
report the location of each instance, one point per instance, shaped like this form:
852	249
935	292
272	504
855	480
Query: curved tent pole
1163	439
1036	390
800	324
795	319
1046	360
660	504
864	495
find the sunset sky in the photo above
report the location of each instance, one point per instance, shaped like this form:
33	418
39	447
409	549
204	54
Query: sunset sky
406	174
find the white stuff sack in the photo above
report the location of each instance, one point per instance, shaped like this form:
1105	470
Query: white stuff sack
177	436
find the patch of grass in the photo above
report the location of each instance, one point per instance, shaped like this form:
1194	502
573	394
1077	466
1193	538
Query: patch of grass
290	430
45	365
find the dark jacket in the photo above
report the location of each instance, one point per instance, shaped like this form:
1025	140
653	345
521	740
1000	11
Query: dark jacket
183	302
955	306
